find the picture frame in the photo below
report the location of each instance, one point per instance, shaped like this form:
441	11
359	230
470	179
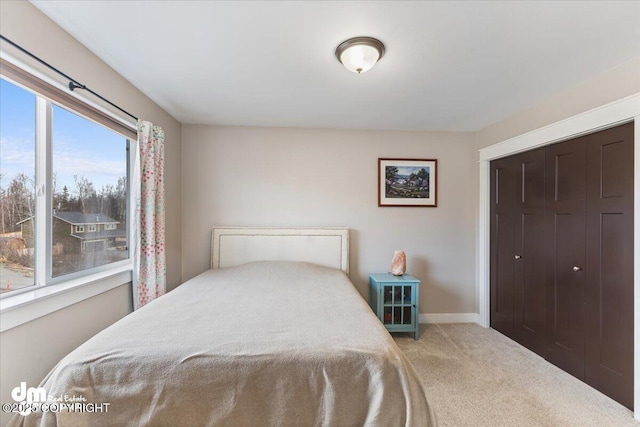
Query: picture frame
408	182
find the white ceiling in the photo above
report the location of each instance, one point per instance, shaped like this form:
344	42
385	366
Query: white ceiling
448	65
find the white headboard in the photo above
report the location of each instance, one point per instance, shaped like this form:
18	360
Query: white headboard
232	246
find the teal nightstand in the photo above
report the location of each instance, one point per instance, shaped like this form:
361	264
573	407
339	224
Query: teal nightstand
395	301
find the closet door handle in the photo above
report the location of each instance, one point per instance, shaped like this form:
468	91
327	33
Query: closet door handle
576	268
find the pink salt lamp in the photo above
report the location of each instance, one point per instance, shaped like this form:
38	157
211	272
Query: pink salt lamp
398	263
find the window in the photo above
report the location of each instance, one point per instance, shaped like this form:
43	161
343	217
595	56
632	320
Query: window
17	186
109	226
80	168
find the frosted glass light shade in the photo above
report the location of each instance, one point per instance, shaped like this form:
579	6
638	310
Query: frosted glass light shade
360	54
359	58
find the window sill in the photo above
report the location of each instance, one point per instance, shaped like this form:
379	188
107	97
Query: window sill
27	306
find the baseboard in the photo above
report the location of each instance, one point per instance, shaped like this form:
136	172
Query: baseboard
448	318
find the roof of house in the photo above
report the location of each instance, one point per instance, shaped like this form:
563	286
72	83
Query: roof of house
82	218
79	218
98	235
24	220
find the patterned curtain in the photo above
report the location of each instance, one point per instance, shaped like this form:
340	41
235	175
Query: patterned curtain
149	254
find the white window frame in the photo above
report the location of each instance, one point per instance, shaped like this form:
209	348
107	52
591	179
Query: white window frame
110	226
79	228
43	261
52	294
92	228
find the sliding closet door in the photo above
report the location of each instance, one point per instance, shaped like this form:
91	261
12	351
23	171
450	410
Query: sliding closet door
529	242
503	196
609	291
565	267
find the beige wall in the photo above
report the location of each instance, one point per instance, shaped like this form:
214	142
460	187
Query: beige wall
29	351
615	84
238	176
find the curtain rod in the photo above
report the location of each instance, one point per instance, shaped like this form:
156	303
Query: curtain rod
73	83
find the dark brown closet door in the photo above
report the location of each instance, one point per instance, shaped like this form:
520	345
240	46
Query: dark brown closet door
609	291
565	225
529	283
503	195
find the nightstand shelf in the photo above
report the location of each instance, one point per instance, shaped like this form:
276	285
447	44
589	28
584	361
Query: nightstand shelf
395	301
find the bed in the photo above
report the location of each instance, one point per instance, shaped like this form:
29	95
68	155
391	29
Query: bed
274	334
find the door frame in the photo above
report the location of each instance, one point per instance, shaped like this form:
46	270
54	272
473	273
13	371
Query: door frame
609	115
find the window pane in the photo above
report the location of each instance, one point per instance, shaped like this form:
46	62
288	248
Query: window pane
89	194
17	186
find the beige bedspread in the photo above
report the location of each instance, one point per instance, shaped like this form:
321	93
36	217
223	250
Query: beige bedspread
262	344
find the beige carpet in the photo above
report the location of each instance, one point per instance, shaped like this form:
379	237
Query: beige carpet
477	377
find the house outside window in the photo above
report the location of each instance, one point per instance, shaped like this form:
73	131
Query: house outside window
84	183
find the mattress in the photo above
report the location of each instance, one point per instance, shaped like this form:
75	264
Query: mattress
261	344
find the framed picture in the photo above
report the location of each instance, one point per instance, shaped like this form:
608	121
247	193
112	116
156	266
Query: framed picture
408	182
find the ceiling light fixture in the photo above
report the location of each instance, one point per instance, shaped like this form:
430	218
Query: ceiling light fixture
360	54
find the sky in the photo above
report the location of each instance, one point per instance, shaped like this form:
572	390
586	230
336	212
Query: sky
79	146
408	170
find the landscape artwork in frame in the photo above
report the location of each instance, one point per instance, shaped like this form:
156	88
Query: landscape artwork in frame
407	182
